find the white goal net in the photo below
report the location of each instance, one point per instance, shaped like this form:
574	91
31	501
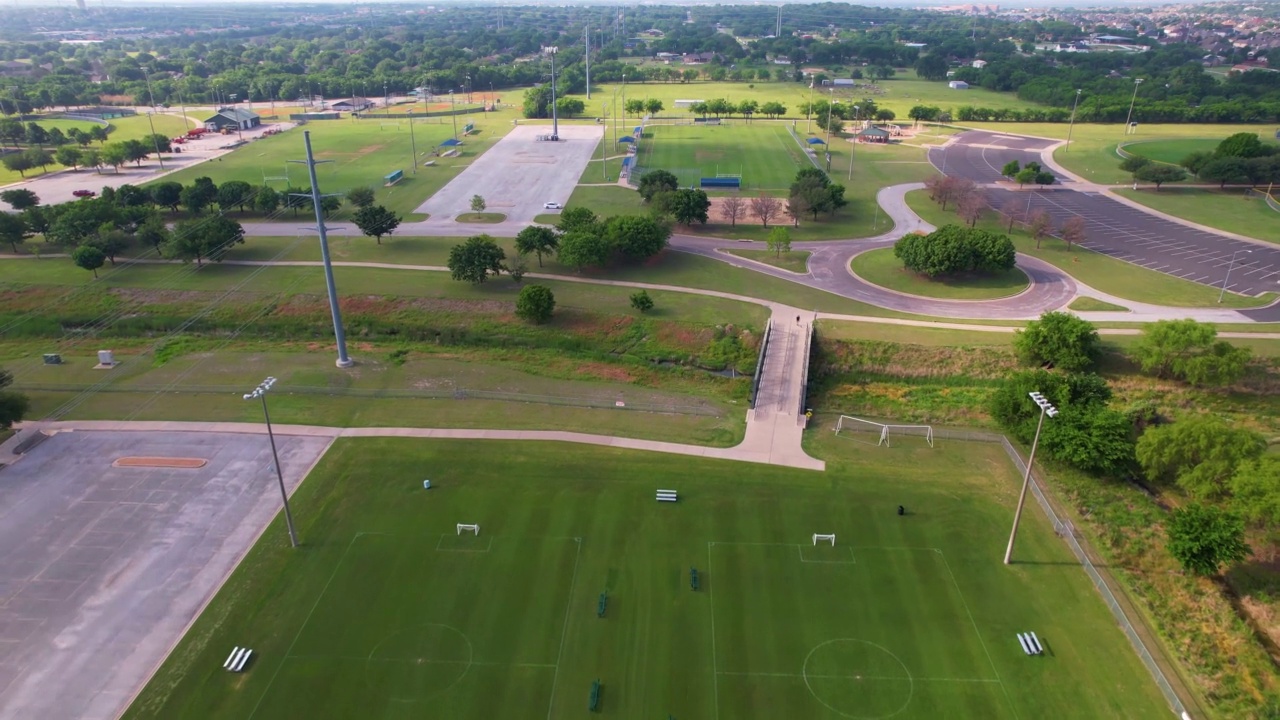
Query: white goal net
884	433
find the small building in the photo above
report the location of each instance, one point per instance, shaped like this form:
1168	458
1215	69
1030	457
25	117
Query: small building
873	134
232	118
958	85
355	104
979	64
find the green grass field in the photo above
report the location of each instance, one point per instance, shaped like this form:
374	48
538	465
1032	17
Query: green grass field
1171	151
880	267
387	612
764	154
361	154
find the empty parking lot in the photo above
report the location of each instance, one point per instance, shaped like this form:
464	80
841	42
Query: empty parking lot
103	567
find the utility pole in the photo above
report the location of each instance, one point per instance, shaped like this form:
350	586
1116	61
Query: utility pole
1132	100
261	392
586	36
343	360
453	108
604	112
155	139
808	115
555	118
413	143
830	106
853	141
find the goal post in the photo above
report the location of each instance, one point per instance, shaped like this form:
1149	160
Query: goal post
883	432
819	537
473	529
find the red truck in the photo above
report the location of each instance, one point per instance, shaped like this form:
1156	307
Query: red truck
196	132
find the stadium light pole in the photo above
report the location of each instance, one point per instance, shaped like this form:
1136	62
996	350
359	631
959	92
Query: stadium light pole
808	113
830	106
1072	126
260	392
1046	408
413	142
555	117
1132	100
853	141
1232	264
453	114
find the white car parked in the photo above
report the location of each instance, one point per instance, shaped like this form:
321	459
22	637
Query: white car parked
552	206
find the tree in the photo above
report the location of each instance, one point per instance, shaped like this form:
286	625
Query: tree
779	241
1010	408
1242	145
20	198
1024	176
971	207
1060	339
537	240
1223	170
361	197
583	248
68	156
687	205
375	221
91	158
203	239
474	260
135	151
1199	454
1196	160
773	109
1040	224
111	241
18	162
570	106
88	257
234	193
99	133
153	232
1160	173
167	194
1097	440
1255	490
635	237
641	301
158	142
113	155
38	157
1010	169
1203	538
732	208
1188	350
634	106
577	219
477	204
656	181
36	135
1044	177
885	114
932	66
13	230
535	303
199	195
13	405
37	219
653	106
1134	163
953	249
266	201
765	208
1073	231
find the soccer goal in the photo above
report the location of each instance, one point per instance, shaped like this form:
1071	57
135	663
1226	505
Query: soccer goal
473	529
884	433
818	537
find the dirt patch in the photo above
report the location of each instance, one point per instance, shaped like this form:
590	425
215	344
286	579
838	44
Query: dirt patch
601	371
716	212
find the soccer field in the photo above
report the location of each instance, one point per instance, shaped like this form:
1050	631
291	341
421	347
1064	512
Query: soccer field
387	612
763	153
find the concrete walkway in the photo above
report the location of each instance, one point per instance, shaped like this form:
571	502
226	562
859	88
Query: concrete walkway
775	426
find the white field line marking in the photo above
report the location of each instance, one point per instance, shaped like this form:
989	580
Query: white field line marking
715	672
978	632
564	631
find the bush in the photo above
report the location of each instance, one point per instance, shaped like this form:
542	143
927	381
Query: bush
1064	340
1186	350
952	250
641	301
536	303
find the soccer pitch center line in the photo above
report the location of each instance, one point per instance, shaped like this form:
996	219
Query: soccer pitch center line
800	676
715	672
564	630
422	661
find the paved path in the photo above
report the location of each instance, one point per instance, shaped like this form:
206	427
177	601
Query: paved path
739	452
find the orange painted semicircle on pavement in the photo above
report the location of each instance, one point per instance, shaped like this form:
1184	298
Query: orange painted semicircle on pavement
160	462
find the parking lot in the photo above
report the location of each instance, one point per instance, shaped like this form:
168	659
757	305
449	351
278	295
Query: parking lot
519	174
1113	228
103	567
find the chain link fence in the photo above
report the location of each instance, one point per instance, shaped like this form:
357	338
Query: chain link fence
1065	530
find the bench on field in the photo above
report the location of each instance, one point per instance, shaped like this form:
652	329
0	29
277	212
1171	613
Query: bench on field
693	578
1030	644
666	496
238	658
604	601
594	703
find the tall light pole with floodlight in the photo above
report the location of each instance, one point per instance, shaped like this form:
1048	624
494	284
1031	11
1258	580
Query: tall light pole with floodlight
853	141
555	117
1046	408
1132	100
1230	265
1072	126
260	392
